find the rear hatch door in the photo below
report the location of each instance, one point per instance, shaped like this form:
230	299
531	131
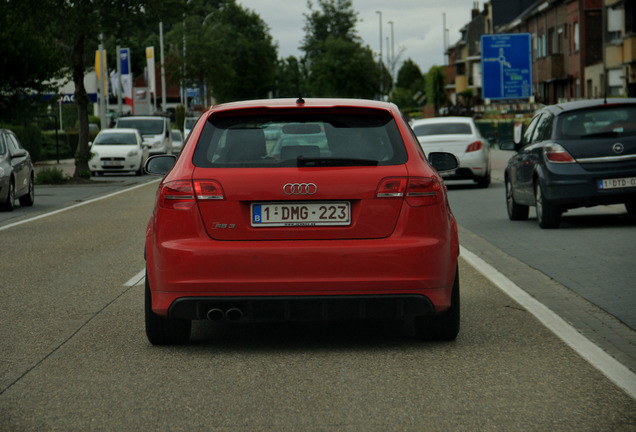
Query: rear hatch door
298	203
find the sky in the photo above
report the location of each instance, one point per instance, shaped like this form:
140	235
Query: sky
418	26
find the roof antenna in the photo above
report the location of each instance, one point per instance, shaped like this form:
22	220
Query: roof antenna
300	99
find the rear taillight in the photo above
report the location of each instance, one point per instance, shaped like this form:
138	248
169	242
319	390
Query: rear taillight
208	190
474	147
423	191
555	153
177	195
392	187
418	191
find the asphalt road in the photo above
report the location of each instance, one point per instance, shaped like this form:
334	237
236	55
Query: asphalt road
583	270
74	354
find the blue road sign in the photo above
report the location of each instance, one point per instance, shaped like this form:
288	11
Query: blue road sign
506	61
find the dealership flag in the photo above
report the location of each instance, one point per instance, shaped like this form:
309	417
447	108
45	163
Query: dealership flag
99	61
150	58
126	76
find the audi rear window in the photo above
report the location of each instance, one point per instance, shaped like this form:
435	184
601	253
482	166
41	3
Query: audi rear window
319	140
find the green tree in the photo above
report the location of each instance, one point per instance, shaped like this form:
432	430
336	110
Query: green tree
436	86
338	64
30	57
410	84
410	76
289	80
76	26
229	51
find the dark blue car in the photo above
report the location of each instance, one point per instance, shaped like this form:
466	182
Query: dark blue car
575	154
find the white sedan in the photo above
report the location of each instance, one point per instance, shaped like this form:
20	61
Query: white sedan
459	136
118	150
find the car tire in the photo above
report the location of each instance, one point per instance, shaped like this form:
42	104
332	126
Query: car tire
9	204
548	215
140	171
442	327
164	331
28	199
484	182
515	211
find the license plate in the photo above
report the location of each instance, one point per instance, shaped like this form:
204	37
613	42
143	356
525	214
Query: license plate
618	183
112	163
298	214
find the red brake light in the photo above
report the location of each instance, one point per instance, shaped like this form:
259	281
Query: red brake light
418	191
177	195
392	187
423	191
474	147
555	153
208	190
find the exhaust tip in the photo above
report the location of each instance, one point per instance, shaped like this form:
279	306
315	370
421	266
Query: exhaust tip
215	314
234	314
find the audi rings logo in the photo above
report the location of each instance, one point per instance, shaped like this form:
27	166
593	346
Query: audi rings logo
300	189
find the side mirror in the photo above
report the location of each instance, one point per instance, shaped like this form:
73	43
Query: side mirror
160	165
19	153
443	162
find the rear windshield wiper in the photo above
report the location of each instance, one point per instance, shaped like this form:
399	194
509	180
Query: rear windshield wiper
311	162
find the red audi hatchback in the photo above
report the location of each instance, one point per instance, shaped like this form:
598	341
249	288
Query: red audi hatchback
347	219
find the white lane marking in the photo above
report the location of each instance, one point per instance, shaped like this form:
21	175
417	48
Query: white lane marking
42	216
609	366
136	279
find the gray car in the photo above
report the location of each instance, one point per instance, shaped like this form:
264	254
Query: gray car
16	172
576	154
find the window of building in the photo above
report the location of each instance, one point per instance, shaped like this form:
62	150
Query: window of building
575	36
614	24
615	82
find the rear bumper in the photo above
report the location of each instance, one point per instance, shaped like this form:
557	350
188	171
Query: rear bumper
300	308
201	273
581	189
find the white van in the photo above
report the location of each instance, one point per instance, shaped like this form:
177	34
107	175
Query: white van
155	131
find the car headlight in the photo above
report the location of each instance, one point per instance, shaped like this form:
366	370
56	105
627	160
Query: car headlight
132	153
156	144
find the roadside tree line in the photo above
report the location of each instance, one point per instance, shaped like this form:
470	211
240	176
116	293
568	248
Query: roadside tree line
216	44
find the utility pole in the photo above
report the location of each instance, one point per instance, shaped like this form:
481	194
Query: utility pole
381	64
163	70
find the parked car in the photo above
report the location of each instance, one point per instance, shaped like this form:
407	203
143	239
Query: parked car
577	154
177	141
364	231
155	131
188	124
461	137
118	150
17	177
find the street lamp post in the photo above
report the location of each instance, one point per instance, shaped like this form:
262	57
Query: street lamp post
392	63
381	65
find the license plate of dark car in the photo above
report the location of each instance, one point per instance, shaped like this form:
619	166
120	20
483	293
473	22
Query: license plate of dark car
618	183
298	214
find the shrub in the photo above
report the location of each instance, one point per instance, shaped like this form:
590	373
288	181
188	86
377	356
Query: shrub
51	175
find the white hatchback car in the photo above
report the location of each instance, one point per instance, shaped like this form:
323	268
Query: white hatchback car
459	136
118	150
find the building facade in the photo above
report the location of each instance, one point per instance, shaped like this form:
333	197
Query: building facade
581	49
